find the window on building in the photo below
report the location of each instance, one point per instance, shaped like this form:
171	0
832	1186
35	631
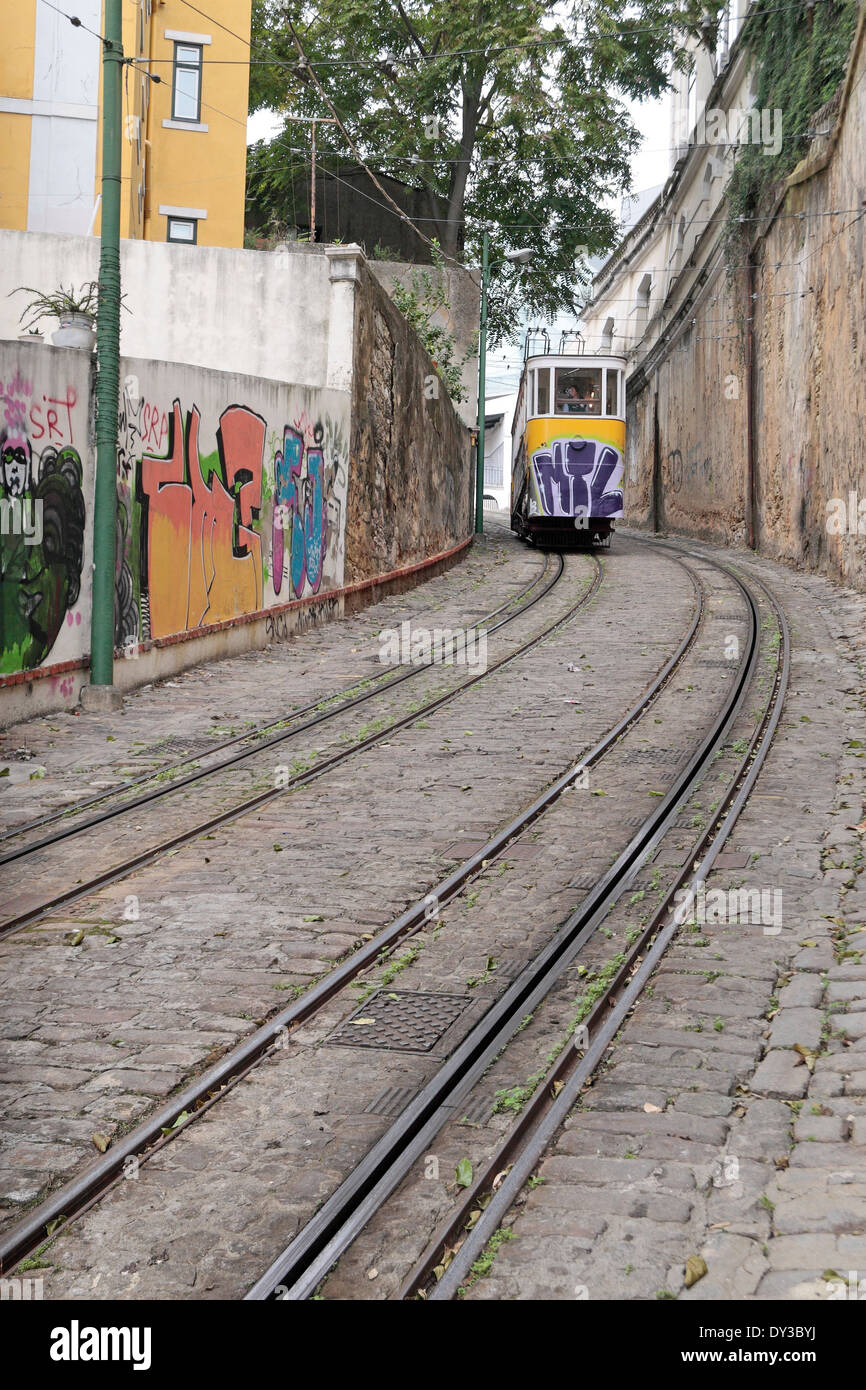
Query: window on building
183	229
691	103
186	86
607	336
578	390
642	303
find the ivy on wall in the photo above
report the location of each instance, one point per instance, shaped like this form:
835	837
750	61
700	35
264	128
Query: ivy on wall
799	55
419	302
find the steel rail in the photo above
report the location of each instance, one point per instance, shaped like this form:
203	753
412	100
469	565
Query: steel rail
119	872
74	1197
71	1200
528	1140
67	812
300	1268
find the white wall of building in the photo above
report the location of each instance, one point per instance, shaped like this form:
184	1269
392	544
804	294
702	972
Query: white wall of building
497	449
65	109
256	312
632	287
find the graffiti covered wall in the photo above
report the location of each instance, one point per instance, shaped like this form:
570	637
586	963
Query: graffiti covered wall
231	501
239	517
232	496
46	492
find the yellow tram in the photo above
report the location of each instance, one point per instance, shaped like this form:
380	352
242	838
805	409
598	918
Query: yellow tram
568	441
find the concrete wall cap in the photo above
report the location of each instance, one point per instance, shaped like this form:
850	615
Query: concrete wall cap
345	261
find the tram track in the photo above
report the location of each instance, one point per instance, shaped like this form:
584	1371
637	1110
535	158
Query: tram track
337	703
119	872
522	1148
313	1253
147	1138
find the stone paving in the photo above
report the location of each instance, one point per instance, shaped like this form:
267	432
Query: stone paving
726	1137
728	1126
99	1027
55	760
241	1180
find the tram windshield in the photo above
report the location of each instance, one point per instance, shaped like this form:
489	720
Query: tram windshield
578	391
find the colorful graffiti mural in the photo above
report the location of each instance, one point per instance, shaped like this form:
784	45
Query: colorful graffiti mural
578	477
223	509
299	511
43	520
203	556
258	521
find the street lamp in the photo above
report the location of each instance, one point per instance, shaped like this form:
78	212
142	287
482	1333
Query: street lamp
516	258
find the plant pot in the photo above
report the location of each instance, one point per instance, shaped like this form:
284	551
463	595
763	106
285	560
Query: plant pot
30	338
75	331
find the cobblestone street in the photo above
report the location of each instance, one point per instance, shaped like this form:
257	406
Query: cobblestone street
432	676
723	1135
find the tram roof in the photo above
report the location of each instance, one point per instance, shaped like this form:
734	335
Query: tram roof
574	359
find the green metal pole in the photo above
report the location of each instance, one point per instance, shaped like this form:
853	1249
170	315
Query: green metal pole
482	371
107	356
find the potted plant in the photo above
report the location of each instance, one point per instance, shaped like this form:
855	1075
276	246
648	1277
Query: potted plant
76	310
33	335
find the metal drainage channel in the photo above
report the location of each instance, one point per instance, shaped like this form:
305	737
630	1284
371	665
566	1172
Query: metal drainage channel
147	1138
305	1262
525	1145
198	749
121	871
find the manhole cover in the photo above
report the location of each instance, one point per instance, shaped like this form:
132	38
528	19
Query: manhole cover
521	850
731	859
463	849
400	1022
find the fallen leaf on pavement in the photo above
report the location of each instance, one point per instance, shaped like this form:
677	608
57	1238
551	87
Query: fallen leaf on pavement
463	1172
696	1268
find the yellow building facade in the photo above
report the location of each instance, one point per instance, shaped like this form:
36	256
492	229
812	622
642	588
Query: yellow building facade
184	135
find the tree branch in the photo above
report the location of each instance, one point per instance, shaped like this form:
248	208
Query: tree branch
410	30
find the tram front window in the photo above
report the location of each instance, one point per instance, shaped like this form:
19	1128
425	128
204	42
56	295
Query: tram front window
612	391
543	407
578	391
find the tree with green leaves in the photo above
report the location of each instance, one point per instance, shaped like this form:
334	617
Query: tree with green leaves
510	113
